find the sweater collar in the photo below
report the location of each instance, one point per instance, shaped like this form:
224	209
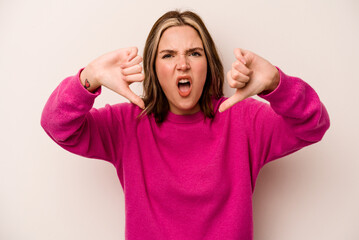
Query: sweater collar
191	118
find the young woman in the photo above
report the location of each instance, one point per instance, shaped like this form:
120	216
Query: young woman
187	158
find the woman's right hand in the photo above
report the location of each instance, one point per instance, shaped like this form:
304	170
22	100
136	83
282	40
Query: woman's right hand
115	70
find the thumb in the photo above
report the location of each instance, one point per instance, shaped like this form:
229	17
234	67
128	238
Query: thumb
238	96
127	93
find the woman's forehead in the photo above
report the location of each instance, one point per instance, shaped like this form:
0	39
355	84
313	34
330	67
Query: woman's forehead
180	38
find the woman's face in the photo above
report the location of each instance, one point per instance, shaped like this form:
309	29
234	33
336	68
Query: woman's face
181	68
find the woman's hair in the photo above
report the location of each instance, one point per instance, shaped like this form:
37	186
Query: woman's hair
155	100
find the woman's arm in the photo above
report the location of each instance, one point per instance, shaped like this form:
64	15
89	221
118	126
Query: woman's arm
68	116
294	119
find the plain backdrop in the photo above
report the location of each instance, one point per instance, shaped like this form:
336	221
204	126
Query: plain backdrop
48	193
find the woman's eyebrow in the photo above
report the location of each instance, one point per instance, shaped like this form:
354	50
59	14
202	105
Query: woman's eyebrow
167	51
195	49
187	51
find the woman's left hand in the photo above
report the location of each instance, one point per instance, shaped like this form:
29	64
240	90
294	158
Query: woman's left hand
250	75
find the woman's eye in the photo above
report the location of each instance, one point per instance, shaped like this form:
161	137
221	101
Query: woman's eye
196	54
167	56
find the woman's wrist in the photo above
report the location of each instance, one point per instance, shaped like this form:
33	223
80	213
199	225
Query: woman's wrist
88	81
274	83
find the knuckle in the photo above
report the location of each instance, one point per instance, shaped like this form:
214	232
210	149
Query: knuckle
232	83
235	75
235	64
245	72
139	68
241	85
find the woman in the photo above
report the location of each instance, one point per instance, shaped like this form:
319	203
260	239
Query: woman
187	158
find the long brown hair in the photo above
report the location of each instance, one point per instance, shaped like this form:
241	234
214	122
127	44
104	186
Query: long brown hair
155	100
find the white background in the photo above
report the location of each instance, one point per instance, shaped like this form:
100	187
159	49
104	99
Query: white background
48	193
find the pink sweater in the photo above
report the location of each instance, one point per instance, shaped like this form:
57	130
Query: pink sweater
190	178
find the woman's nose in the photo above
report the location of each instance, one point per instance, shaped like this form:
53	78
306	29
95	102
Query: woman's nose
182	63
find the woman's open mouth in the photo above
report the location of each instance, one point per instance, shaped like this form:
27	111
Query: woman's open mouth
184	86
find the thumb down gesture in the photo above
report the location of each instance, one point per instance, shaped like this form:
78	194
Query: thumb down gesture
250	75
115	70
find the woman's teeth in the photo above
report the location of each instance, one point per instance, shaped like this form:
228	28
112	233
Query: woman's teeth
184	87
183	81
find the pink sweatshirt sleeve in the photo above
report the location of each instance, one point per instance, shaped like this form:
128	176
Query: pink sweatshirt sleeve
69	119
295	118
